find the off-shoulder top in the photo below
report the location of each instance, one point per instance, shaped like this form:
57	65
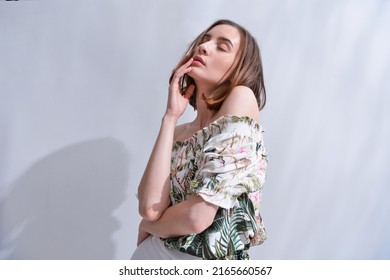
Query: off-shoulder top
224	163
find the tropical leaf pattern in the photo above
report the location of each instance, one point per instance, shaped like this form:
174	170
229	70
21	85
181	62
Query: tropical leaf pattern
224	163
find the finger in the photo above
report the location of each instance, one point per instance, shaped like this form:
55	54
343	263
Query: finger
189	91
185	68
187	64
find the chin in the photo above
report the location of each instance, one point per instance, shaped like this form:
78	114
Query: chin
192	74
196	78
201	78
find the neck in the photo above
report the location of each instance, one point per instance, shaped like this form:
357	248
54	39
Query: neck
204	115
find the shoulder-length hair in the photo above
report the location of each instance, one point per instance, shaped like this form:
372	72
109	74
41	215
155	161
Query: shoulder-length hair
247	70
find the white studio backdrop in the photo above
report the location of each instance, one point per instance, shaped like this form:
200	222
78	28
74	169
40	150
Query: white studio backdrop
83	86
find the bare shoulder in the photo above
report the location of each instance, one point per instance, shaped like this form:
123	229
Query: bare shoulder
240	102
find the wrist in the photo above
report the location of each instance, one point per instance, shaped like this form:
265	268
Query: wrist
146	226
169	119
142	225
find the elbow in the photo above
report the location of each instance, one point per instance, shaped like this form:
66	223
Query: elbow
150	210
149	214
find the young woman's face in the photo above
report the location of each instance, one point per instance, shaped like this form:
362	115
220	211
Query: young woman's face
215	54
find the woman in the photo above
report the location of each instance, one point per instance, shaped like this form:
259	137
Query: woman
200	193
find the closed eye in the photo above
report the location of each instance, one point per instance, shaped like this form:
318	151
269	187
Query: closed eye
204	39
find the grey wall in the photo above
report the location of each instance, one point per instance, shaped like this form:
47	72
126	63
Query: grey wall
83	87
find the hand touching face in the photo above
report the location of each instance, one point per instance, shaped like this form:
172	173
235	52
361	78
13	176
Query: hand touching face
215	55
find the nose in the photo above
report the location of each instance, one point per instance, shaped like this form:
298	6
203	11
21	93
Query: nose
203	49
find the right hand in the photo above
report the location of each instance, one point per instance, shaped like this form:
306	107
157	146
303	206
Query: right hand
177	102
142	235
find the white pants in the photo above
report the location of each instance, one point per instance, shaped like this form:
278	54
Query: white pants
152	248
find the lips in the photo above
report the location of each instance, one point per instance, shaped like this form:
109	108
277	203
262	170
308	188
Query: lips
199	59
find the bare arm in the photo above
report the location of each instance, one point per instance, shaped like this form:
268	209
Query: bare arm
153	191
193	215
240	102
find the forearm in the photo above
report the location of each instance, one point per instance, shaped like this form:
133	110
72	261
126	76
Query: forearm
190	216
153	191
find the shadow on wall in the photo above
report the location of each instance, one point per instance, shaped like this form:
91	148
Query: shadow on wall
61	208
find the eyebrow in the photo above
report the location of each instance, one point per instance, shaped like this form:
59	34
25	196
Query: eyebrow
208	36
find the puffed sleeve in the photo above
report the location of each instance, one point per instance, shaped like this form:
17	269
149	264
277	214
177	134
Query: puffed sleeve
230	163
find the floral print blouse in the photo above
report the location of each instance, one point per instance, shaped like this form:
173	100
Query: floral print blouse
224	163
